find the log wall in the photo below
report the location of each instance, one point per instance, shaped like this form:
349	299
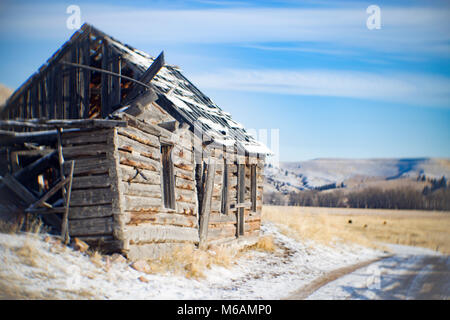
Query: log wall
117	195
149	228
223	227
94	198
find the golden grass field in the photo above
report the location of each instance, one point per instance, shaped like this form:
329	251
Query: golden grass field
368	227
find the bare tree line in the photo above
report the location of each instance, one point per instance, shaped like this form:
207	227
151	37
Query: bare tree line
436	197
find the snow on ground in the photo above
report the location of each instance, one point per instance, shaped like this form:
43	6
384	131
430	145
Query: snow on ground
34	268
411	273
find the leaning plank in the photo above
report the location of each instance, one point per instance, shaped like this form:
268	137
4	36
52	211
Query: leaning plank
22	192
9	138
50	124
37	167
147	76
51	192
46	210
65	218
206	202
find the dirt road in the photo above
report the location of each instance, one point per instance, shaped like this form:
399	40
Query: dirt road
411	273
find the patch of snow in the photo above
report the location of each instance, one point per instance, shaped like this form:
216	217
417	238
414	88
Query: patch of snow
256	147
178	102
67	274
214	125
408	274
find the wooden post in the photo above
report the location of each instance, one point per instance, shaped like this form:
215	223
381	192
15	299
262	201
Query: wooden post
206	202
241	199
63	190
105	82
65	219
253	186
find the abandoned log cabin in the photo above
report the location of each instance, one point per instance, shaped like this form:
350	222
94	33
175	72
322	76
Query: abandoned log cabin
116	148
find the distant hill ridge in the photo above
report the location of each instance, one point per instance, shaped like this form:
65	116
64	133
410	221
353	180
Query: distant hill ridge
328	171
5	92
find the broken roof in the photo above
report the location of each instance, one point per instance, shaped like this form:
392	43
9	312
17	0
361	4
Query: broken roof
176	94
191	103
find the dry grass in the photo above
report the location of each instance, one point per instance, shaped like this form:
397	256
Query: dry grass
264	243
191	262
366	227
27	223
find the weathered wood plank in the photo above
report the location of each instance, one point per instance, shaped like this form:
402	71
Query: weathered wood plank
93	226
74	152
105	82
241	199
138	161
224	231
91	197
205	208
96	211
143	204
186	208
133	175
147	76
131	145
184	184
140	136
142	190
87	182
90	166
115	81
152	251
183	174
163	219
216	218
85	84
99	136
22	192
146	233
65	124
185	195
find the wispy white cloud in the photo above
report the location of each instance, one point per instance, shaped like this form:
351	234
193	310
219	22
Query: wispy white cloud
303	48
414	89
403	29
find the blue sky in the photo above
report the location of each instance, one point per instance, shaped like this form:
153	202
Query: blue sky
311	69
